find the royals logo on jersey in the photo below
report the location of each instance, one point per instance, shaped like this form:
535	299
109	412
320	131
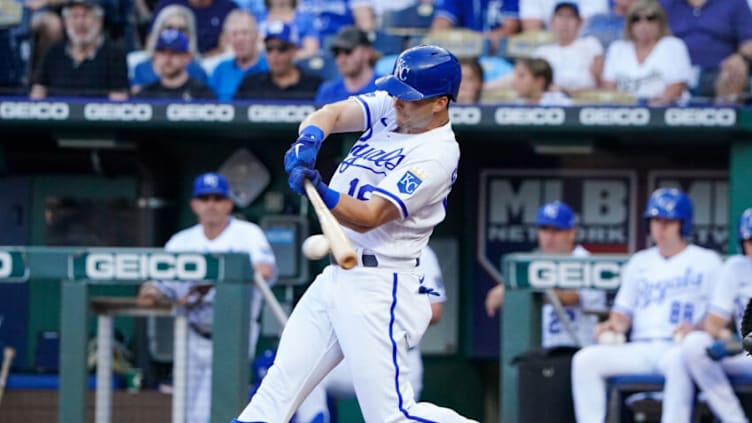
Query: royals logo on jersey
409	182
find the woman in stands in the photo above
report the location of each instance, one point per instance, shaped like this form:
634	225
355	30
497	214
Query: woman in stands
287	11
649	64
171	17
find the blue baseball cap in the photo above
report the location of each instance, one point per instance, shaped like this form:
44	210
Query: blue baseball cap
557	215
211	183
282	31
173	40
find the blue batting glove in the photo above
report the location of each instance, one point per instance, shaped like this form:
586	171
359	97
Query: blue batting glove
303	151
297	178
720	349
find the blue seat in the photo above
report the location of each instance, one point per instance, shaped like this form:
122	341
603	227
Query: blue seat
321	64
413	20
386	43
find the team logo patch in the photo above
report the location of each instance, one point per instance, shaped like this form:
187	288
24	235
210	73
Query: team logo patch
409	182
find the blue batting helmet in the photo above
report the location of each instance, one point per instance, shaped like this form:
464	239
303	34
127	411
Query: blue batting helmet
670	203
745	227
557	214
423	72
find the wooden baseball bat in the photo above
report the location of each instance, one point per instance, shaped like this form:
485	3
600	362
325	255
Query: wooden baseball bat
8	354
342	250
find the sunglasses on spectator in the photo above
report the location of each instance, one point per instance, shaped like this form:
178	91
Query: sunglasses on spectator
211	197
180	28
281	48
638	18
346	51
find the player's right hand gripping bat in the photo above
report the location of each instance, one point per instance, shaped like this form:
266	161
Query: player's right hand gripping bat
342	250
8	354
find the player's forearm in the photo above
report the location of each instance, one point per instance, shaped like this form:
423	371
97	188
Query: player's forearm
619	322
265	270
342	116
362	216
714	325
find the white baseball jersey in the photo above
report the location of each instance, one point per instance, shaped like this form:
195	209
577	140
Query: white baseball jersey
668	63
732	291
659	293
571	64
372	314
554	334
338	383
413	171
240	237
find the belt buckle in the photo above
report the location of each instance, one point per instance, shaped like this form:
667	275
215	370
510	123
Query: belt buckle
369	260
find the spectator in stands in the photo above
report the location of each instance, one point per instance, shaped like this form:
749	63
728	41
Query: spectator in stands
536	14
355	58
718	35
171	17
577	62
532	82
607	27
284	80
706	356
241	33
471	85
171	58
210	16
287	11
496	19
87	64
331	15
13	67
649	64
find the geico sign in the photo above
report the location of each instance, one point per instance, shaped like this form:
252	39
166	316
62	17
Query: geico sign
143	266
273	113
34	110
700	117
6	264
546	274
465	115
201	112
529	116
118	111
618	116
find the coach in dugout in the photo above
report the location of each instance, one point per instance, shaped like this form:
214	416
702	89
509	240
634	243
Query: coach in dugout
86	64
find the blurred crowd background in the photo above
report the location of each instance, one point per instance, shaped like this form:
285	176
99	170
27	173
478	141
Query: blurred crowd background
547	52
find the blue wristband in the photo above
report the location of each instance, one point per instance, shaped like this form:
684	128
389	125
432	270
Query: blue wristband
328	195
314	132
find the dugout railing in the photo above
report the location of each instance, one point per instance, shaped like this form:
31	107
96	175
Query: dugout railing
78	268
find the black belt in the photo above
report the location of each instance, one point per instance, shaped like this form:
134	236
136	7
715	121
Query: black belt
369	260
200	332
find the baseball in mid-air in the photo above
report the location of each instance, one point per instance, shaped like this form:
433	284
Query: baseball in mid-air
315	247
611	337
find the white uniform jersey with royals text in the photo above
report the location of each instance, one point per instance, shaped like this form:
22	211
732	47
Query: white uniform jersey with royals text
660	293
733	289
237	237
413	171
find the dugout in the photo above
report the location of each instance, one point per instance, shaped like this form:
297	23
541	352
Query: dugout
99	173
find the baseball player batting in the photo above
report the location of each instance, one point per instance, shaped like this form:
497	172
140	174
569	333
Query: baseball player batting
664	293
388	193
704	357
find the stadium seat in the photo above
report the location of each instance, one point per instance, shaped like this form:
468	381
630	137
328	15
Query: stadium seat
414	20
498	96
11	13
211	62
461	42
386	43
133	59
385	65
603	96
321	64
523	44
495	67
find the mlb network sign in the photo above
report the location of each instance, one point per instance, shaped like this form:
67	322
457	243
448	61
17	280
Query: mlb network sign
142	266
604	202
13	266
541	272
